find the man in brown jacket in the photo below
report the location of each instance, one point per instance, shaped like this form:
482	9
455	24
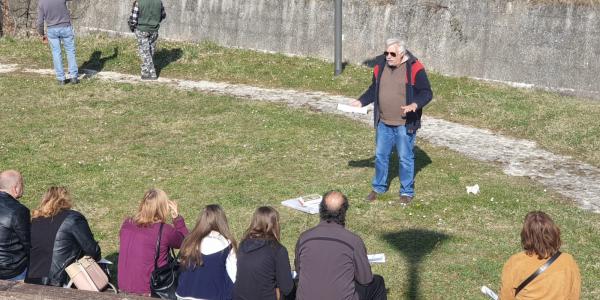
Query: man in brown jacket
331	261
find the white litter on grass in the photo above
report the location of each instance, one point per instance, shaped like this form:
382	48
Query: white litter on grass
376	258
351	109
473	189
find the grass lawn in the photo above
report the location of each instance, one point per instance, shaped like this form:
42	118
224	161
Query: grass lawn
110	142
561	124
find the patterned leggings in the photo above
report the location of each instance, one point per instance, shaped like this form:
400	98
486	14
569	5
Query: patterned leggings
146	48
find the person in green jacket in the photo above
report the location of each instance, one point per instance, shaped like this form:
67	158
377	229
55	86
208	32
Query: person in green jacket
144	21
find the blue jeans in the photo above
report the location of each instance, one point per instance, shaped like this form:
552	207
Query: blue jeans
55	35
19	277
387	137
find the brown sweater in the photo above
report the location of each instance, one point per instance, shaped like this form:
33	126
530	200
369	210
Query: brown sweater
560	281
392	95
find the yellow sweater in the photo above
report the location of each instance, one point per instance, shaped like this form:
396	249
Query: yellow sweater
560	281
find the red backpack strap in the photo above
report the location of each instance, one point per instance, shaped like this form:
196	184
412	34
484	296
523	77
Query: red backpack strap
376	72
415	68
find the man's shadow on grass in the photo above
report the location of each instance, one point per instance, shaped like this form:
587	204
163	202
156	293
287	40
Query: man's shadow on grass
164	57
96	61
415	245
421	161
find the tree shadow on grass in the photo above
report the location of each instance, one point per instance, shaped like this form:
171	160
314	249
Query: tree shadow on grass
96	61
164	57
415	245
421	161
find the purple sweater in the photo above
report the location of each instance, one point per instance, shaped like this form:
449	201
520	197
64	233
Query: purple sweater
136	252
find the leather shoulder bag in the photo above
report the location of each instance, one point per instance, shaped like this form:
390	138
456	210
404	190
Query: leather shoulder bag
163	280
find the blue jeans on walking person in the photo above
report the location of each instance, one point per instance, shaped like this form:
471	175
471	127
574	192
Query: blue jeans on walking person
66	35
388	137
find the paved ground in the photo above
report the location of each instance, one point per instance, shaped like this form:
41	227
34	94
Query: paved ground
571	178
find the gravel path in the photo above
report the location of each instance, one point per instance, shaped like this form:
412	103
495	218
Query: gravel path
571	178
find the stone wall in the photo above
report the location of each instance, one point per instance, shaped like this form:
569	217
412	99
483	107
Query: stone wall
554	46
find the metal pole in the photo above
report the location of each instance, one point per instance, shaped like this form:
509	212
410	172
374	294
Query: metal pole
338	37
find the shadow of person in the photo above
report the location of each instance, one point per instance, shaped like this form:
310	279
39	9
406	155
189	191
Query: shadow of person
421	161
96	61
164	57
415	245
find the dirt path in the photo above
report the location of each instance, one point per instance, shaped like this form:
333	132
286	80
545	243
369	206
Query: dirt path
567	176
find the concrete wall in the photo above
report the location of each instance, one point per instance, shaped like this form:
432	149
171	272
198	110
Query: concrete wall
549	46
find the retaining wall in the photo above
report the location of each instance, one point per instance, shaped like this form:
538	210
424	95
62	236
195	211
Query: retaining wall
554	46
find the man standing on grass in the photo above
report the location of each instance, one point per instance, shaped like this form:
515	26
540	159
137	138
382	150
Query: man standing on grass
331	261
58	20
399	90
15	224
144	21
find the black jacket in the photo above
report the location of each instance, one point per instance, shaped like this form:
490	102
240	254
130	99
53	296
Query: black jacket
418	90
14	236
56	243
262	266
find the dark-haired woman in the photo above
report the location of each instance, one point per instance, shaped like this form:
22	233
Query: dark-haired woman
540	238
263	265
59	236
207	257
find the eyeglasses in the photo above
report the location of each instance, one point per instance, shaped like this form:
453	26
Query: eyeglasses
393	54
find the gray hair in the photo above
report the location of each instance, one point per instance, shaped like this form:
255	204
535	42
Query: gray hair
395	41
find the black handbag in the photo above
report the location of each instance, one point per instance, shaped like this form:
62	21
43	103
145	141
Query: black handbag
163	280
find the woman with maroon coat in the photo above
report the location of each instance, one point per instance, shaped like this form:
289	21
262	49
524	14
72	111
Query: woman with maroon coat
138	238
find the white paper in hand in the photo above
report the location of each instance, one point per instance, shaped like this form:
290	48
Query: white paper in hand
351	109
376	258
488	292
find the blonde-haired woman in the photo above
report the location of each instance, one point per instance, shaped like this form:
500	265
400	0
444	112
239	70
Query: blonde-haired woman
207	257
59	236
263	265
138	238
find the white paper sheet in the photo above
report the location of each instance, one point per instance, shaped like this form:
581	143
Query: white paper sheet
308	203
488	292
378	258
351	109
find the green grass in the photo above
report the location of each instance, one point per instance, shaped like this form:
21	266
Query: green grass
560	124
110	142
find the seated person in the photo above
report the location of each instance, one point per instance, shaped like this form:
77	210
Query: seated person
263	266
138	237
14	228
540	239
207	258
331	261
59	236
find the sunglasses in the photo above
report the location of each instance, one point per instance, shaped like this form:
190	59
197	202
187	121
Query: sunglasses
393	54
